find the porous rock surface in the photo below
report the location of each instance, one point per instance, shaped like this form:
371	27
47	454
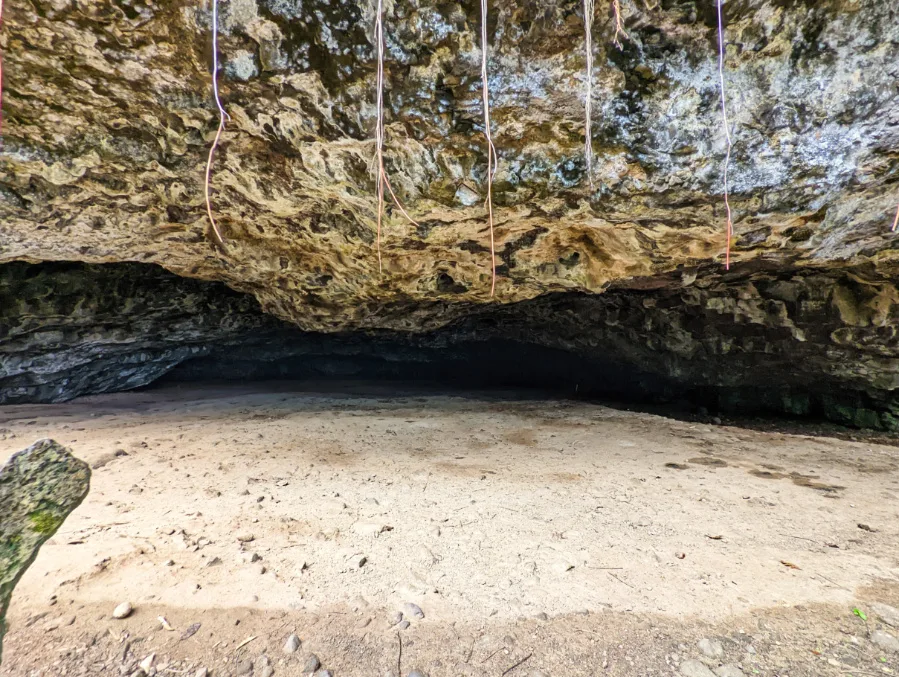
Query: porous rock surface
108	118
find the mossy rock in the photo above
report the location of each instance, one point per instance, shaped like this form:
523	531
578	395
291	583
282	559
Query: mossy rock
39	488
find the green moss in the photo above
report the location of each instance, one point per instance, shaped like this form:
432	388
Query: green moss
44	521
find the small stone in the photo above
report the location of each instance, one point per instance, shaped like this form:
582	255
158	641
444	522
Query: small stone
363	622
123	610
245	667
292	645
147	662
169	563
402	625
414	610
693	668
246	538
888	614
885	641
417	673
323	673
245	492
260	569
255	557
266	671
542	616
729	671
202	672
711	648
311	665
395	619
215	561
358	561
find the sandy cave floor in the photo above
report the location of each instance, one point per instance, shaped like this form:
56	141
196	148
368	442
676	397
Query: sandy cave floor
584	539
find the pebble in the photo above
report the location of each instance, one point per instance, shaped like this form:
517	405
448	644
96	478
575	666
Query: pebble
395	618
693	668
292	645
711	648
885	641
246	538
202	672
417	673
888	614
323	673
414	610
267	671
123	610
402	625
169	563
244	668
312	664
147	662
729	671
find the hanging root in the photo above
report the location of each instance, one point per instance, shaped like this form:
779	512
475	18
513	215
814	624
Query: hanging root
588	98
382	180
895	221
491	149
222	117
730	224
619	28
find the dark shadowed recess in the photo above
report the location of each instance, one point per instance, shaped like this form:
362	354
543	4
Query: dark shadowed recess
751	343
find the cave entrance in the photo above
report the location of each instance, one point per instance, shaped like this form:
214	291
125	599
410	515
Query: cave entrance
754	343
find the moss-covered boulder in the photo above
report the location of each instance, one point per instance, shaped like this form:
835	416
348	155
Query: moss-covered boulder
39	488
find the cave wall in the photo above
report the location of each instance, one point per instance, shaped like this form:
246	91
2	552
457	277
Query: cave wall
69	329
797	341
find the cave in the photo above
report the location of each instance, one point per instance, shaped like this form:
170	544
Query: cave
748	343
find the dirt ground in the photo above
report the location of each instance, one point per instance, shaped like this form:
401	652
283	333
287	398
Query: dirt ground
579	539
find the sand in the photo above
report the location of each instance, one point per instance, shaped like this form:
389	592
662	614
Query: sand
577	533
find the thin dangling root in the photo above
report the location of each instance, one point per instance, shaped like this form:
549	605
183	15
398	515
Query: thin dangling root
588	97
491	149
895	221
222	117
382	180
619	27
730	225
